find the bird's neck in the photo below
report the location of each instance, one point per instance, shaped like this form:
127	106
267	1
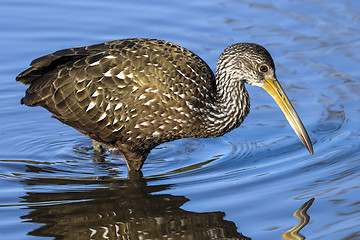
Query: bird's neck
231	106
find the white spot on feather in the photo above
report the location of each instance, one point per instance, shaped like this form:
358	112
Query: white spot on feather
181	73
107	107
120	75
189	105
93	232
79	91
144	124
118	129
91	105
134	89
108	73
151	90
118	106
192	70
102	117
167	95
150	101
95	94
94	63
156	134
110	57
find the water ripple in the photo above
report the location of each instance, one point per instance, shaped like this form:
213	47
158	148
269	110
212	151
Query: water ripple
254	175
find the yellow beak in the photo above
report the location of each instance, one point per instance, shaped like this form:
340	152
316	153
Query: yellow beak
275	90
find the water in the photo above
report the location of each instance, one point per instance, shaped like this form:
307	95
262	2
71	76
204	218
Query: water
249	182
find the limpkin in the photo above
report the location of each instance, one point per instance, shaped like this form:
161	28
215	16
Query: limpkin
131	95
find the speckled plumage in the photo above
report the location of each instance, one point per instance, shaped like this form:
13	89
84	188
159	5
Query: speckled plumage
134	94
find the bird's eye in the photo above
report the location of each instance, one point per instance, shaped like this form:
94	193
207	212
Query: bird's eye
264	68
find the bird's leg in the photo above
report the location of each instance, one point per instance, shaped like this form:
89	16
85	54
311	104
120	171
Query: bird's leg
134	160
135	164
97	146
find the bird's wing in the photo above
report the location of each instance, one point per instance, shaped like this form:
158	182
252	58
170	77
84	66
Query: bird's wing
98	89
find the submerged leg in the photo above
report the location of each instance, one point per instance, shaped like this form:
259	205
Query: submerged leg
98	147
135	175
134	158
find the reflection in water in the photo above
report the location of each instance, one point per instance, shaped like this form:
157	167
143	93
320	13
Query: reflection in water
304	218
119	209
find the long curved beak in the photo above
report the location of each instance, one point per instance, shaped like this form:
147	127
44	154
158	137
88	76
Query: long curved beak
275	90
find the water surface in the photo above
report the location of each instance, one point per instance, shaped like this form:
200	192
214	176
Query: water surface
246	184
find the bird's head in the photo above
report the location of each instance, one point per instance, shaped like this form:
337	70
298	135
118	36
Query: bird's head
253	64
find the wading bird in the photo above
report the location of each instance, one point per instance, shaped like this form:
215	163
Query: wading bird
131	95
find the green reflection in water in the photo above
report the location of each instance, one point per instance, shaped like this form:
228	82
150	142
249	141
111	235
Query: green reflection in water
304	218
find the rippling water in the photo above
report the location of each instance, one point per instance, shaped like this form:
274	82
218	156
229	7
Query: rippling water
244	185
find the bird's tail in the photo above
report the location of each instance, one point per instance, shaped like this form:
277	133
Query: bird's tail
38	90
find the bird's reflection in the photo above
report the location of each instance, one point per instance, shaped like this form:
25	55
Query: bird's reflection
119	209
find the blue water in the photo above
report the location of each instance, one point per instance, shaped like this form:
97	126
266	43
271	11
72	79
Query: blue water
250	181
